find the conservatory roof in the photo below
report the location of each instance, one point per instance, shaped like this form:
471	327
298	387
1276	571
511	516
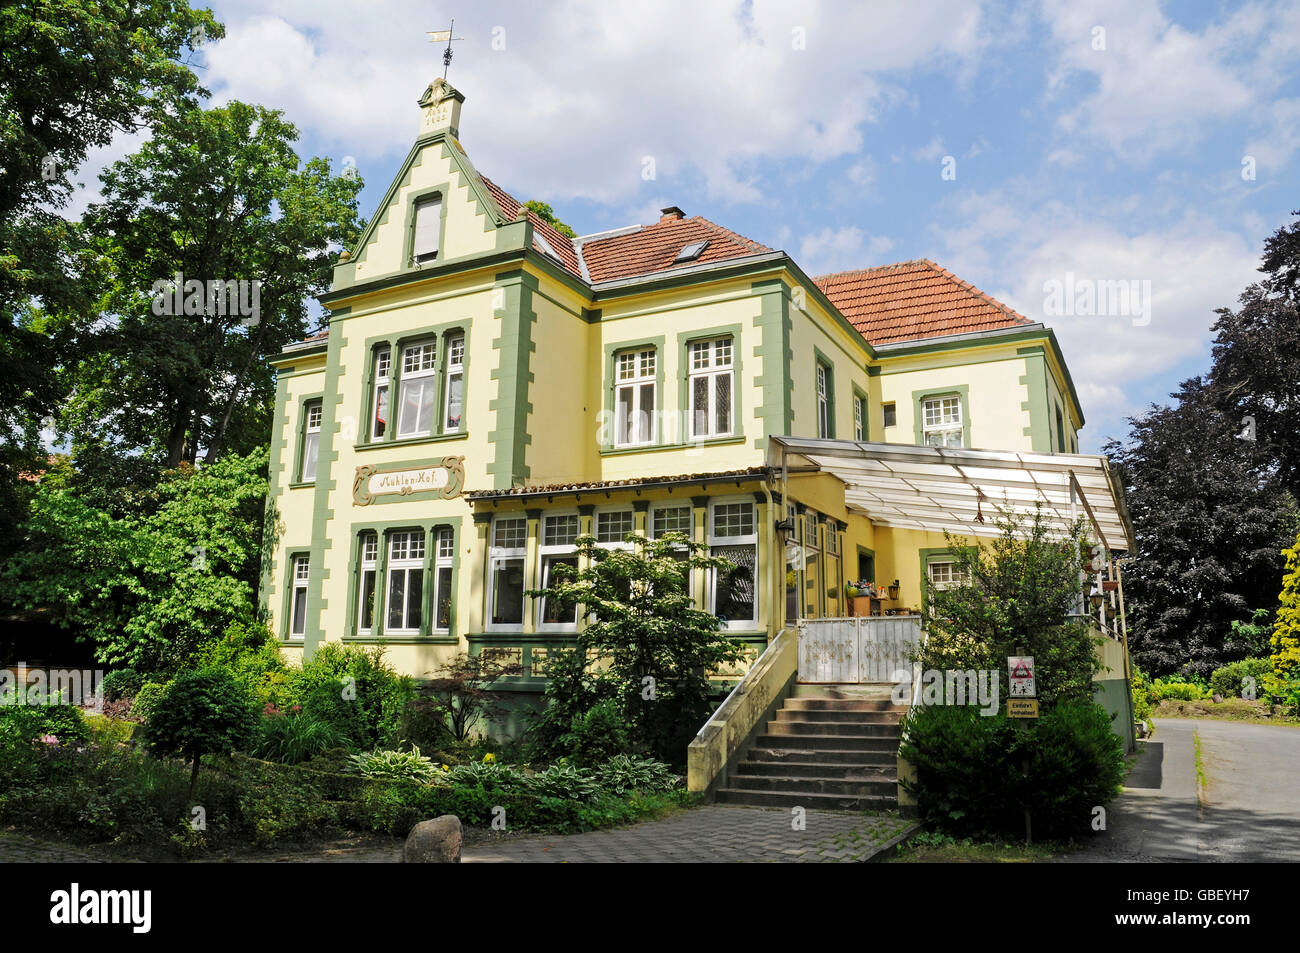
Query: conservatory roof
951	488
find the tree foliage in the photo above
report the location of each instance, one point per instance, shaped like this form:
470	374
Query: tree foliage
203	711
648	650
148	590
1285	643
463	691
1021	592
547	214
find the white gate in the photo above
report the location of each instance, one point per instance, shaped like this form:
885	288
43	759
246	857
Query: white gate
857	650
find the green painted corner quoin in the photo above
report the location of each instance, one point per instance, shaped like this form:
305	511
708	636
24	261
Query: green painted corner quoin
1035	381
775	357
514	378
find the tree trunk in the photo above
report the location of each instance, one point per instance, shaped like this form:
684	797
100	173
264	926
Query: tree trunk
194	778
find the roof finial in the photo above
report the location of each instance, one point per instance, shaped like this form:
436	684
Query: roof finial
437	36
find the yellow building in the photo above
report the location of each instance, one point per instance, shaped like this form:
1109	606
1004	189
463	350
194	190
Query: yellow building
489	389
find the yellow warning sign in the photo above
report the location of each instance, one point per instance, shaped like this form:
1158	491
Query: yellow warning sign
1022	707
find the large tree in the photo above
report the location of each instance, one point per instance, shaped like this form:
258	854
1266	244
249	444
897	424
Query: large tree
215	195
73	74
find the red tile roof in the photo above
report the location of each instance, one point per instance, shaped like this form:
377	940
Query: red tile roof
562	245
652	249
913	300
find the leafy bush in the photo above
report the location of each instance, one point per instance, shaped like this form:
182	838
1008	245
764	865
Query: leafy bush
360	677
395	766
121	683
623	774
1140	690
248	651
146	698
32	722
291	739
1175	687
976	774
205	711
484	775
595	735
563	781
1230	680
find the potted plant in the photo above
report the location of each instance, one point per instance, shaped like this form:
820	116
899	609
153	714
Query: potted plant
859	598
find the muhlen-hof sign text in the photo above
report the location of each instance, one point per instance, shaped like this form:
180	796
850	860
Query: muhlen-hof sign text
445	479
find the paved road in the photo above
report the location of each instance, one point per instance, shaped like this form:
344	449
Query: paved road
1249	810
712	834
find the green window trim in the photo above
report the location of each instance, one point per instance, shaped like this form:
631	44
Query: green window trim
860	406
413	200
822	361
305	403
291	555
612	350
441	333
919	397
936	554
870	554
684	342
383	530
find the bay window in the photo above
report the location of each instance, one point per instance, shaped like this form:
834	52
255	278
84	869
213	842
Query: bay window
733	535
634	398
405	582
710	388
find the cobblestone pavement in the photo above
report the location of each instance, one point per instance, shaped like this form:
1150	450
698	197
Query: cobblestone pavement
712	834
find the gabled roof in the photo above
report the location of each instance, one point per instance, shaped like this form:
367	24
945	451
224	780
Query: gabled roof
912	300
652	249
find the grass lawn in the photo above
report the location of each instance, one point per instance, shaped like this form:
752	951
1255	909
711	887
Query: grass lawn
938	849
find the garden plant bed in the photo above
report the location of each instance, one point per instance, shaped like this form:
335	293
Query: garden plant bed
1230	709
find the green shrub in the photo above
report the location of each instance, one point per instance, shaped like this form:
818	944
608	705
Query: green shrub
595	735
1141	693
490	776
360	677
67	723
146	698
1230	680
623	774
291	739
205	711
395	766
976	774
248	651
1178	687
121	683
347	717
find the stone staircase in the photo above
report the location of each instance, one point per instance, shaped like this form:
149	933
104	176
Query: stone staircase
831	747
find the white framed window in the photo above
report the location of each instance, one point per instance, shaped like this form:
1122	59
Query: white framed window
405	582
379	418
889	414
612	527
813	570
675	518
311	440
419	389
454	404
506	566
944	574
941	421
634	398
859	417
559	531
710	388
824	420
298	613
428	224
444	557
733	535
369	569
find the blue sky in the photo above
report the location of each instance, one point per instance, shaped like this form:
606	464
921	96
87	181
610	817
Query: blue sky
1100	140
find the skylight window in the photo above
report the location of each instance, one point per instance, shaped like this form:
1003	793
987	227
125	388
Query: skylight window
691	251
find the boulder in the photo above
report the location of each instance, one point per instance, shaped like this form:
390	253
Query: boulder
433	842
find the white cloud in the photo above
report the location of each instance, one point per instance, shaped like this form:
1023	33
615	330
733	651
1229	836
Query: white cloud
841	249
930	151
583	90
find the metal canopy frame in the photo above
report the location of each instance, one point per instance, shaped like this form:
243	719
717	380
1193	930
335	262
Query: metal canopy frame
946	488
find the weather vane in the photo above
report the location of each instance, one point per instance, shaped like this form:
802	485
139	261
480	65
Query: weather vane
437	36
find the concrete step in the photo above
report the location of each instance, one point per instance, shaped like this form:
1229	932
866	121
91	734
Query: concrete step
878	787
858	729
841	770
834	715
844	704
805	742
868	691
808	800
885	755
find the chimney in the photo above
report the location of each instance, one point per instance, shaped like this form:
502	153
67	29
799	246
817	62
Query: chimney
671	214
